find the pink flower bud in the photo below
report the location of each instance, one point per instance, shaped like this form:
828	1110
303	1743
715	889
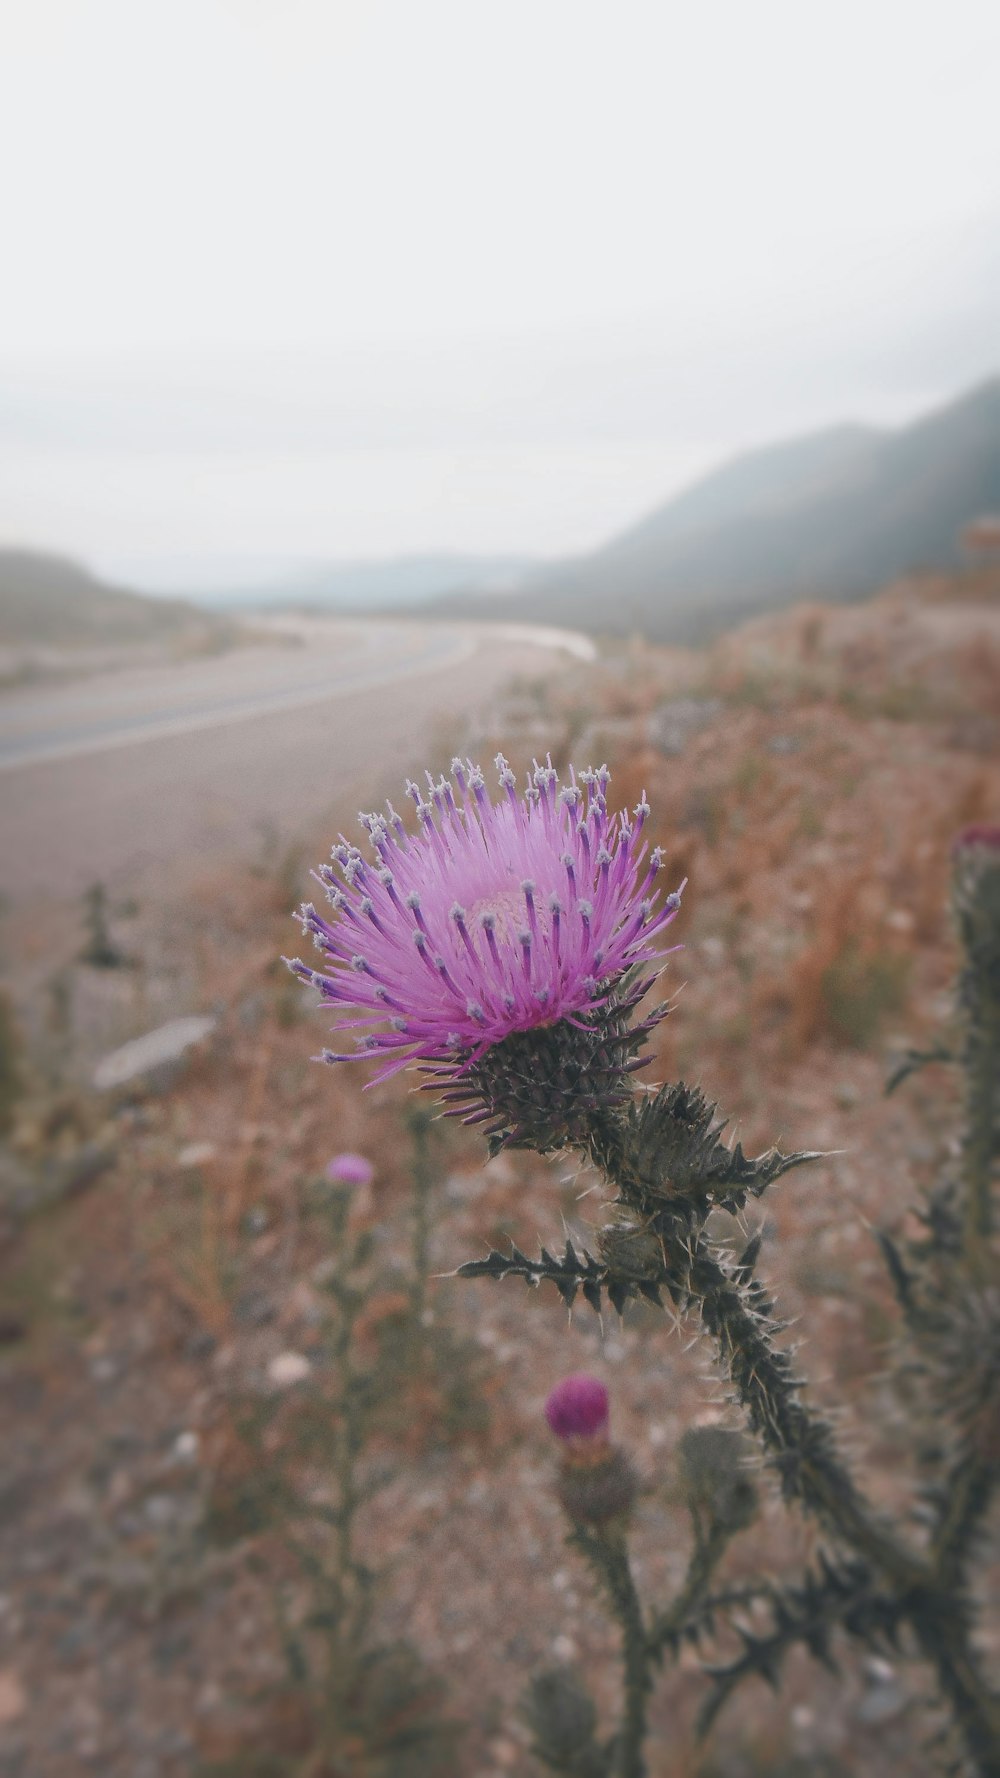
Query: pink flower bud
350	1169
578	1408
980	834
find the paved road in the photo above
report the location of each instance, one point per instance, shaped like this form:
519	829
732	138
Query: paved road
313	663
149	777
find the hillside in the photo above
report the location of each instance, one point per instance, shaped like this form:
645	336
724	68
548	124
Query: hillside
46	601
832	516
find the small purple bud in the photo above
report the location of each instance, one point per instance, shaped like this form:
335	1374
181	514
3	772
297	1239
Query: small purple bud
350	1169
578	1408
980	834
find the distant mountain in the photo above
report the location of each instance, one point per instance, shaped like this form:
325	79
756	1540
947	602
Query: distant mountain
49	602
361	586
835	515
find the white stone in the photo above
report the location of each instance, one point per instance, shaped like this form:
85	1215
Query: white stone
145	1055
288	1368
197	1154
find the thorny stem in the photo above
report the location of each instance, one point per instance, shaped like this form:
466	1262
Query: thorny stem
705	1558
607	1554
967	1494
348	1440
420	1123
736	1314
803	1445
982	1123
944	1638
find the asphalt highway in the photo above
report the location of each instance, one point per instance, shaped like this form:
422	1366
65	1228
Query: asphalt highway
148	776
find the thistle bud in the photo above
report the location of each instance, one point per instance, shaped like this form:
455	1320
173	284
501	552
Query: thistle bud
630	1249
597	1482
599	1488
713	1471
560	1713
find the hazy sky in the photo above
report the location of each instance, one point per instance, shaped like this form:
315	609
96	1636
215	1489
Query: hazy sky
307	277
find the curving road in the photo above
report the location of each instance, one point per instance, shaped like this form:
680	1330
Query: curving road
149	776
149	704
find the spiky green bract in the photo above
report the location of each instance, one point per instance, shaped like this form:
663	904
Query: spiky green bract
666	1155
544	1088
600	1491
668	1148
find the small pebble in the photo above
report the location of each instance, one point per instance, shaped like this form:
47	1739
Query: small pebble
288	1368
197	1154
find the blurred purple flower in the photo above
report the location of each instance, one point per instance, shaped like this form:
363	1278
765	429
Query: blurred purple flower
492	918
578	1407
350	1169
981	834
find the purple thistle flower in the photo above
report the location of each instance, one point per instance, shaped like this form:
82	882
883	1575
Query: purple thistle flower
578	1408
350	1169
494	918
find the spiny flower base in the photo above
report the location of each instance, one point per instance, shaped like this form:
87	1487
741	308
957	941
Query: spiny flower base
548	1088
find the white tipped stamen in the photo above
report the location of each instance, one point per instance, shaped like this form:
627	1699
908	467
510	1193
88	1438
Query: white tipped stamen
524	940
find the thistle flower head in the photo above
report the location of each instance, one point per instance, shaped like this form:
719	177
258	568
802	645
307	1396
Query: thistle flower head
493	919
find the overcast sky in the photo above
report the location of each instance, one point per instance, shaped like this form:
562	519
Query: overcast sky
355	277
